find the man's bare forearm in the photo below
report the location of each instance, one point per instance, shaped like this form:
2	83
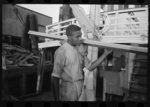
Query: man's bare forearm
97	62
55	86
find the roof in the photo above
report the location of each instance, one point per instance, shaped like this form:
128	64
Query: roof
33	11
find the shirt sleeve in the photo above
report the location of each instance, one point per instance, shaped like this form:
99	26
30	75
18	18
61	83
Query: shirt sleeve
59	62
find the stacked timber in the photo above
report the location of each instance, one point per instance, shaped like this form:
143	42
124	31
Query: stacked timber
15	56
138	83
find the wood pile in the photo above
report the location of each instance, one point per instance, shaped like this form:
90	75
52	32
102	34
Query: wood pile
138	85
15	56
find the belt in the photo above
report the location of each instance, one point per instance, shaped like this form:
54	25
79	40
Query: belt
72	81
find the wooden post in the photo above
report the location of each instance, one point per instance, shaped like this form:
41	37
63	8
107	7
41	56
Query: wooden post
25	41
116	7
34	26
40	72
23	84
116	22
93	51
131	57
104	89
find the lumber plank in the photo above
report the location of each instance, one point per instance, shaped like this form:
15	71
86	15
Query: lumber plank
40	34
128	48
49	44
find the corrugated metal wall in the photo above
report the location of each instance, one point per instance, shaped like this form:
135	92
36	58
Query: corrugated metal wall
12	25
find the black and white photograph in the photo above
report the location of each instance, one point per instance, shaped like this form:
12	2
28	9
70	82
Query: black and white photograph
74	52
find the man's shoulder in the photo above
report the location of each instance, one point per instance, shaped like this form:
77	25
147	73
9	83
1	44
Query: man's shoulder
61	49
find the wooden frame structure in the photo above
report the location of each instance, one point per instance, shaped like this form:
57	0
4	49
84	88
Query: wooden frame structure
127	26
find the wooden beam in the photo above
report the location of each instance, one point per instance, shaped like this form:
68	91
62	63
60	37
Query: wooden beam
40	34
49	44
128	48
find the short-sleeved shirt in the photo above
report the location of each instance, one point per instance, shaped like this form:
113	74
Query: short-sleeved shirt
67	64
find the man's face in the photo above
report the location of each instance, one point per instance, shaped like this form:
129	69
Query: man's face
76	37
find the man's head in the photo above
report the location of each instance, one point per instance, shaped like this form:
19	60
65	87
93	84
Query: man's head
74	34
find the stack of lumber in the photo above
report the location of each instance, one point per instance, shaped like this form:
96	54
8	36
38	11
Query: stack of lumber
15	56
138	84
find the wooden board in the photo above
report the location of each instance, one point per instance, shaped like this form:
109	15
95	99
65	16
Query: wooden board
49	44
83	20
128	48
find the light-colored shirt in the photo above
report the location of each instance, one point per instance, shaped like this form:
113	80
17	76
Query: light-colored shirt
67	65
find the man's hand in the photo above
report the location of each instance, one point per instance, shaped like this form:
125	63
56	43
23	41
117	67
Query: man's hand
86	73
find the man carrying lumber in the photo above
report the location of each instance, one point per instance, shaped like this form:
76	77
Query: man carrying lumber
68	66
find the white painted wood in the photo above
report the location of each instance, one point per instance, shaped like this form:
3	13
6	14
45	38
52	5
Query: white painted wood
85	23
49	44
116	7
131	6
69	20
129	10
130	65
116	46
94	17
121	33
106	8
116	23
130	23
139	16
122	28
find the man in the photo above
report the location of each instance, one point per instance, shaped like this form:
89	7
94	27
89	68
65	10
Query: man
67	67
69	61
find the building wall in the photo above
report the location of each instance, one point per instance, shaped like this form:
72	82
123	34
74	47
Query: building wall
11	25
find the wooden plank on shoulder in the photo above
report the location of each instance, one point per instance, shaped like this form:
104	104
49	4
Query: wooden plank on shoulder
128	48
